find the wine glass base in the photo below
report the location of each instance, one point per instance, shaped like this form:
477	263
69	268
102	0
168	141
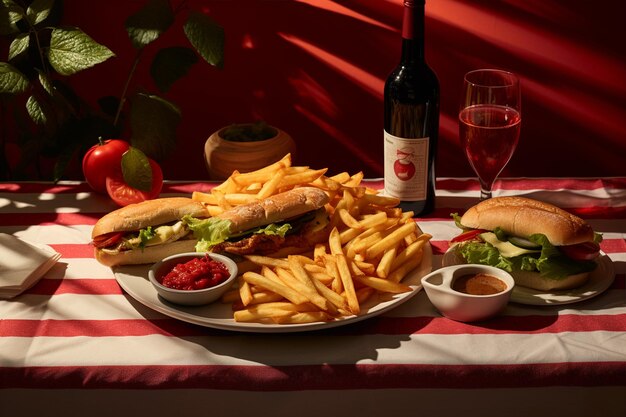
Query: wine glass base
485	194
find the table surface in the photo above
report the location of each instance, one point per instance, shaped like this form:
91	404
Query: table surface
77	331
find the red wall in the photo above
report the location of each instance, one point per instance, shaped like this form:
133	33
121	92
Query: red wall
316	68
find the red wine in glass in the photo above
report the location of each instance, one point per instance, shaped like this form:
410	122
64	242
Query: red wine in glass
489	123
489	135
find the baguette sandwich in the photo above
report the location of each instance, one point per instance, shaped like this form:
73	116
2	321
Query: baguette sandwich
295	219
543	247
146	232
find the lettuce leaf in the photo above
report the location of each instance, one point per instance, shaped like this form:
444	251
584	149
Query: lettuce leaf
550	263
145	235
213	231
500	234
209	232
597	237
484	253
457	221
553	264
274	229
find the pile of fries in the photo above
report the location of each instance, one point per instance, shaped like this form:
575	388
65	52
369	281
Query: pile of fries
372	246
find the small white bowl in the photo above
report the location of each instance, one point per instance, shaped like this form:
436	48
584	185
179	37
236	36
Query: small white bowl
461	306
190	297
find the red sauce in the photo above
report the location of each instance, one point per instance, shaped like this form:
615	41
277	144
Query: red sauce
196	274
478	284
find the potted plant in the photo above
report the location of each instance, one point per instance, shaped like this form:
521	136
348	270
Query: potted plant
48	121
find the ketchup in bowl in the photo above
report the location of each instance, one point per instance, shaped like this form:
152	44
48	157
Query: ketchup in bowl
196	274
193	278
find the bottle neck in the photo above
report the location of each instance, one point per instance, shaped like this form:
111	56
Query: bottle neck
413	32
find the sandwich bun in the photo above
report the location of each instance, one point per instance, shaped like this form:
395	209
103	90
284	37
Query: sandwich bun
148	213
522	217
289	206
276	208
135	217
148	255
535	281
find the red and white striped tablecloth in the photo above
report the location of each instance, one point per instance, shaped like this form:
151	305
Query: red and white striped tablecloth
75	343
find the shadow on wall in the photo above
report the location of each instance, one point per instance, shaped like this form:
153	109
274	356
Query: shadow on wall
316	68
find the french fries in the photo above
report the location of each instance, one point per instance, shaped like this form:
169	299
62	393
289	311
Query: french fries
372	245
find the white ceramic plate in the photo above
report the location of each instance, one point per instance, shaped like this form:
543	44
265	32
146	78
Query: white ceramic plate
599	280
134	280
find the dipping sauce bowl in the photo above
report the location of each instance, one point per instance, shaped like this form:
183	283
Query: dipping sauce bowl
469	292
190	297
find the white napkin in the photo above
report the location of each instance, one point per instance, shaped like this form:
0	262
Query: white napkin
22	264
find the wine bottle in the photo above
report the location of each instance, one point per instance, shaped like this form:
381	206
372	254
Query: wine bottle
411	101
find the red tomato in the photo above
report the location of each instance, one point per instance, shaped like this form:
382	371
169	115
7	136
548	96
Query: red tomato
123	194
108	239
467	235
101	161
582	251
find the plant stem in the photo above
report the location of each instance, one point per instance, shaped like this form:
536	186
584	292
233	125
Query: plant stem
180	6
132	72
42	59
5	170
44	68
123	97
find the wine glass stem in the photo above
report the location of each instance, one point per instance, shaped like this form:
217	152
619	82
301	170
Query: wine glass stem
485	189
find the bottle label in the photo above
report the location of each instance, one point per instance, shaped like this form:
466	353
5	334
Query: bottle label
406	167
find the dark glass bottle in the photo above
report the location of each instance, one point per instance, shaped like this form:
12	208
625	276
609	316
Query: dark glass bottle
411	100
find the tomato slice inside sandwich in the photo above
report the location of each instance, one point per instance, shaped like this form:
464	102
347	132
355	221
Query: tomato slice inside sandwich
469	235
582	251
108	239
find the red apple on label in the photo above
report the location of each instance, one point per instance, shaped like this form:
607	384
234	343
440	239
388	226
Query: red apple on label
405	170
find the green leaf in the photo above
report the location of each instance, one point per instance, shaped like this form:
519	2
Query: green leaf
12	81
485	254
597	237
35	111
145	235
19	45
209	232
170	64
457	222
46	83
60	101
207	36
72	50
153	121
500	234
38	11
136	169
274	229
149	23
10	14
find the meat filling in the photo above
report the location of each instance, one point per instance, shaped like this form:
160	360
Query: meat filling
260	244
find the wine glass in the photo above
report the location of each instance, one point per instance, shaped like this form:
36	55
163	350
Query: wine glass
490	117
